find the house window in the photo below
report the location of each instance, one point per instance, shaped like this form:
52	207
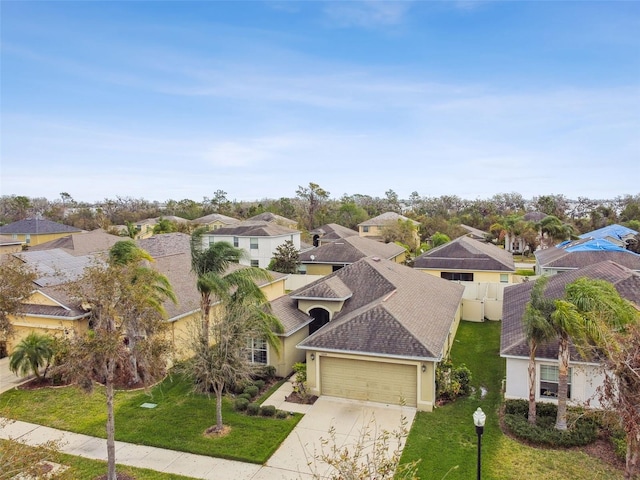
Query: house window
460	276
254	243
504	278
235	242
255	263
365	229
257	350
27	238
549	382
211	241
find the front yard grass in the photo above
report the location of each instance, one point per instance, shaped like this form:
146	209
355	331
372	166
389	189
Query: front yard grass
445	439
177	423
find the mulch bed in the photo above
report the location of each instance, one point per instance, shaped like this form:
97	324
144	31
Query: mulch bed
295	397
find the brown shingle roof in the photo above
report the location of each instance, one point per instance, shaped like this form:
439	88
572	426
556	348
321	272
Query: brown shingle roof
513	342
166	244
350	250
558	258
253	229
386	218
216	217
465	253
82	243
333	231
394	310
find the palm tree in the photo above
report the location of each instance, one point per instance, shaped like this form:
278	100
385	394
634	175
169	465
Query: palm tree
537	327
215	280
34	352
552	227
158	291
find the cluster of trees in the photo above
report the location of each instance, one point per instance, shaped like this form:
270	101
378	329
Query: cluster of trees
604	327
312	206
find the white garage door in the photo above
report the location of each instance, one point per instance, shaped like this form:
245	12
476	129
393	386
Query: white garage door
365	380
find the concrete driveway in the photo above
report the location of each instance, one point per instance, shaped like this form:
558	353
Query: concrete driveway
350	420
8	379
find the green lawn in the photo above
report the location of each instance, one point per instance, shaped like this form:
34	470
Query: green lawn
446	438
177	423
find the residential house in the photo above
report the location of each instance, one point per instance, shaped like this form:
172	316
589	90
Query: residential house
475	233
34	231
616	234
374	330
329	233
585	375
259	239
144	228
81	243
374	227
9	244
575	254
215	221
335	255
50	310
483	268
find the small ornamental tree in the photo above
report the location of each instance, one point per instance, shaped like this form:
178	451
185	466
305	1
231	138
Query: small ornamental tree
16	285
286	258
34	352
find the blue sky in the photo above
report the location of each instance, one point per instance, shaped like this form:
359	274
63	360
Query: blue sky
170	100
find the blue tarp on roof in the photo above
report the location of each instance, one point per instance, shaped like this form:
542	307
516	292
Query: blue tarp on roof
595	244
613	231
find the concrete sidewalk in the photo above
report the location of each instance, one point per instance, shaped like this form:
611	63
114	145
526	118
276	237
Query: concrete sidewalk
291	461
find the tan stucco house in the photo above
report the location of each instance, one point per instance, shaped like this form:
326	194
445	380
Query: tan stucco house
374	227
335	255
330	233
34	231
585	376
215	221
374	330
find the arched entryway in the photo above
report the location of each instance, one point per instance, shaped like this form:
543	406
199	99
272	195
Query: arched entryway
320	319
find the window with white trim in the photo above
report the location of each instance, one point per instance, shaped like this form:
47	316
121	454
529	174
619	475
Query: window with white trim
549	381
235	242
504	278
255	263
257	348
253	243
365	229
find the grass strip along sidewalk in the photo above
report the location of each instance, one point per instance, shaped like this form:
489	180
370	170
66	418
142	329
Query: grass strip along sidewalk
177	422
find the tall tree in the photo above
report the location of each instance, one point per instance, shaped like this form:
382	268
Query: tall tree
312	198
16	285
537	328
240	319
555	230
215	281
115	294
286	258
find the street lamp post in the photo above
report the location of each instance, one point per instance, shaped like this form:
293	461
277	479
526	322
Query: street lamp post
478	419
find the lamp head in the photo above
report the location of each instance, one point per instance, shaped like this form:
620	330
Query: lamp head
479	417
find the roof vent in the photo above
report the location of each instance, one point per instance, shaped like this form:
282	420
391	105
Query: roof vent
375	259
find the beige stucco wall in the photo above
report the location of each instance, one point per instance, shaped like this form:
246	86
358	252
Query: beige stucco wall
37	239
478	276
23	326
319	269
332	307
289	354
274	290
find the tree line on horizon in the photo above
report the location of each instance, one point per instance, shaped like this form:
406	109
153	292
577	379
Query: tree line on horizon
312	206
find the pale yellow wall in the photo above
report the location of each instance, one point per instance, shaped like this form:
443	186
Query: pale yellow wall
427	387
479	277
23	326
274	290
37	239
38	298
400	258
317	269
289	354
374	231
333	307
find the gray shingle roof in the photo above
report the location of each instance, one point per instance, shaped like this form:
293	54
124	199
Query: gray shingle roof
333	231
394	310
216	217
558	258
332	289
465	253
350	250
513	342
253	229
35	226
166	244
272	218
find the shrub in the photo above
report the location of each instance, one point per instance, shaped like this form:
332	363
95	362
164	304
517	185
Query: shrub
259	383
451	382
253	408
582	431
265	372
281	414
246	396
251	390
240	404
268	411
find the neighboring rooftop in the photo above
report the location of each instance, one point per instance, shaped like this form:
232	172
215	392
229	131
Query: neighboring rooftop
465	253
619	232
513	341
82	243
349	250
332	231
253	228
216	217
386	218
36	226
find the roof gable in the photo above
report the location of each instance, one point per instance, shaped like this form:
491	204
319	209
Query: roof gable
350	250
465	253
37	226
386	218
